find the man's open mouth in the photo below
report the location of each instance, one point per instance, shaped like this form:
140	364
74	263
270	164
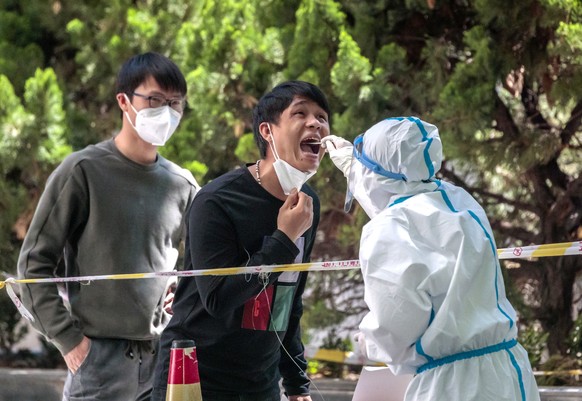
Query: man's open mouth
311	145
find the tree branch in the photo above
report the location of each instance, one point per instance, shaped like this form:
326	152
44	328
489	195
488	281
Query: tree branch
513	232
572	125
504	121
530	101
457	180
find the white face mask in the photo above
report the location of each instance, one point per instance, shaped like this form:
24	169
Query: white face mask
157	125
289	177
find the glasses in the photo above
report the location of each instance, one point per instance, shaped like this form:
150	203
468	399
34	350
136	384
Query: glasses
159	101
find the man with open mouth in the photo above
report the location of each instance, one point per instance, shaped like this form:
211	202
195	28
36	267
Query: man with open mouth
246	327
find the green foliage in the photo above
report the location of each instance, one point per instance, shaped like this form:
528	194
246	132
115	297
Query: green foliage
246	148
555	364
468	96
333	342
567	53
501	81
13	118
313	367
316	30
575	339
350	71
349	236
44	101
11	328
32	142
318	316
18	42
534	342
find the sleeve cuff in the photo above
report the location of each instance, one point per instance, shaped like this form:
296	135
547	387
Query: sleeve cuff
286	241
68	340
297	391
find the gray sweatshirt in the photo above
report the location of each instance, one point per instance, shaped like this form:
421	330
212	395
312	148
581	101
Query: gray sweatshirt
101	213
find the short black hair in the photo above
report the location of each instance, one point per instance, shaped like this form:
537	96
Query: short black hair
272	104
138	68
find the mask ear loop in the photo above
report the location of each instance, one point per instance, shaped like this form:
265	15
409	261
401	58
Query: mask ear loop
129	102
272	143
127	114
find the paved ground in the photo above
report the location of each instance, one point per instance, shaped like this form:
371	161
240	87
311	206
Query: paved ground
46	385
31	385
332	390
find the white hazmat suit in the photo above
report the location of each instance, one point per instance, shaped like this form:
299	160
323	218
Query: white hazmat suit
433	282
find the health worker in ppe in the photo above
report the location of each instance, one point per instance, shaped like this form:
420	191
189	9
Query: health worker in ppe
433	283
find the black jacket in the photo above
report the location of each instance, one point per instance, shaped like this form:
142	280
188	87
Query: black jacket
239	321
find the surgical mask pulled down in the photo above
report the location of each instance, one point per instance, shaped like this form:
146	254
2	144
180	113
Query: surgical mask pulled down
155	125
289	177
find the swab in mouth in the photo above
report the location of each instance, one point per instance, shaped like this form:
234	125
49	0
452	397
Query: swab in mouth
311	145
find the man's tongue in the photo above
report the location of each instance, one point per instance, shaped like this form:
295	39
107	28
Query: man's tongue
309	147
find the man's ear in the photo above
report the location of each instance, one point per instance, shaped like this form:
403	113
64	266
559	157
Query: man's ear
122	101
265	131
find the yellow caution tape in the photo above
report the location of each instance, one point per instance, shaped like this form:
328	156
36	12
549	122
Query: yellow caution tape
574	372
331	355
337	356
531	251
224	271
559	249
317	266
350	358
540	251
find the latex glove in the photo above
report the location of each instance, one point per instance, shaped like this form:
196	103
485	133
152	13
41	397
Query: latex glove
361	340
340	151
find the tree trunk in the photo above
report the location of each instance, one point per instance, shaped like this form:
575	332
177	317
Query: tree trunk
556	291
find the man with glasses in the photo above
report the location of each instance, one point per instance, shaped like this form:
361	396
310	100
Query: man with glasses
116	207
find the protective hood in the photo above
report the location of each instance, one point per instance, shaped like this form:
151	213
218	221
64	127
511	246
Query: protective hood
397	156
